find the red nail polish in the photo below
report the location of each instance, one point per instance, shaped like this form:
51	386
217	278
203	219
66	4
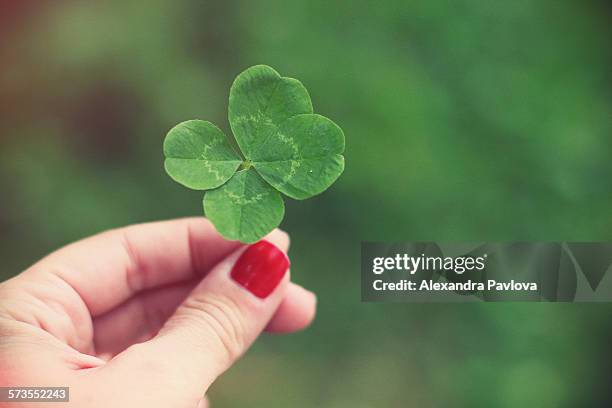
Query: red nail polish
260	268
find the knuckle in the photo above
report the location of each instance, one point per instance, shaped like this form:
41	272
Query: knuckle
136	272
218	317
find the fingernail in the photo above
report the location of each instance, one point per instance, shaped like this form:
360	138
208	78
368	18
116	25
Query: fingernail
260	268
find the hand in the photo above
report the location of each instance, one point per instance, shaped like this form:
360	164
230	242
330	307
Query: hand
145	316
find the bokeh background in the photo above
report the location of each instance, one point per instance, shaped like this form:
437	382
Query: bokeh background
464	120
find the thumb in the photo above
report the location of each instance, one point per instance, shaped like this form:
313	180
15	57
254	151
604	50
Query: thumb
218	321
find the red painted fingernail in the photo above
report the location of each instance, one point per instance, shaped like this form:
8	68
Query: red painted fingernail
260	268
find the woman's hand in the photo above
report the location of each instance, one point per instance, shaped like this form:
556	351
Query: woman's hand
145	316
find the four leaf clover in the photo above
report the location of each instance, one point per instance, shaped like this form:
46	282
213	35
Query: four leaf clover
286	149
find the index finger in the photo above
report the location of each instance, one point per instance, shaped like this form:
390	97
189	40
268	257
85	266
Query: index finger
111	267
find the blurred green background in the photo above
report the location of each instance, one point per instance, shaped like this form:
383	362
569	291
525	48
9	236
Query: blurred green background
464	120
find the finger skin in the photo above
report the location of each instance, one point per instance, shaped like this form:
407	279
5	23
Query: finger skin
107	269
141	318
296	312
93	276
209	331
137	320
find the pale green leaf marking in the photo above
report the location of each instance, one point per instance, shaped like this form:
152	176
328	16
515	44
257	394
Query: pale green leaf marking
303	157
260	99
199	156
246	208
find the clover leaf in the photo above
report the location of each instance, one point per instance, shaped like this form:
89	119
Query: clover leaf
199	156
286	149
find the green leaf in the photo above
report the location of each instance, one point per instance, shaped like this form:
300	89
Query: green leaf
245	208
260	99
199	156
302	158
288	149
